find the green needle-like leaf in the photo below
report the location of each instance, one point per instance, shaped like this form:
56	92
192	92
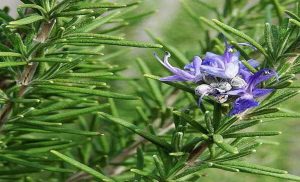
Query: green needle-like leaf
242	35
254	166
27	20
191	121
89	91
154	139
111	42
174	84
252	134
72	113
153	85
32	164
82	167
10	54
218	139
11	64
295	22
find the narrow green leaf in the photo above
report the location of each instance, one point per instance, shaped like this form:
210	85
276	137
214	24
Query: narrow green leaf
174	84
295	22
178	141
37	123
263	111
153	85
227	123
34	6
72	113
112	42
252	134
154	139
218	29
140	158
90	91
193	170
87	5
81	166
10	64
147	175
27	20
92	35
21	100
37	145
233	157
223	167
58	130
47	149
242	126
55	107
159	166
280	98
51	60
218	139
259	172
88	74
97	22
241	35
89	53
269	38
77	81
254	166
217	114
277	115
75	13
292	15
10	54
208	122
191	121
18	170
32	164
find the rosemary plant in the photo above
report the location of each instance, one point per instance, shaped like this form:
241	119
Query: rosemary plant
65	114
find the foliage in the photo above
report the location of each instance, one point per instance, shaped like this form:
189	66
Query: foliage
65	114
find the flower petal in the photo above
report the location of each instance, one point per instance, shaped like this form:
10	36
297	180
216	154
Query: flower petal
182	75
214	60
260	76
213	71
238	92
259	92
242	104
232	69
172	78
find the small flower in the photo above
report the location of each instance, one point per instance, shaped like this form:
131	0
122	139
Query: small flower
223	77
191	71
248	94
222	66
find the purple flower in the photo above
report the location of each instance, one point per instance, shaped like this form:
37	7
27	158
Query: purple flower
191	71
247	95
223	77
222	66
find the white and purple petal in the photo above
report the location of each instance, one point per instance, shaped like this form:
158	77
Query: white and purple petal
242	104
259	92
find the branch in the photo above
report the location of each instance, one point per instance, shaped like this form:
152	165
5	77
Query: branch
28	72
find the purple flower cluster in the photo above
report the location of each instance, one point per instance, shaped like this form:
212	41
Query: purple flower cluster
222	77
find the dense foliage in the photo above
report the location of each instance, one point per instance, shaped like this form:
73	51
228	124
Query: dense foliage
71	112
